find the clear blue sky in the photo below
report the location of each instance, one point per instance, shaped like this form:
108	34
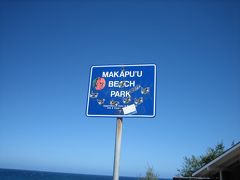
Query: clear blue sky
48	47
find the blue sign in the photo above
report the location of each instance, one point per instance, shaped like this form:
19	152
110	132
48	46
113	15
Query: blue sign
122	91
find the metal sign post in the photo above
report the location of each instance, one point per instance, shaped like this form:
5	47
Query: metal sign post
121	91
117	148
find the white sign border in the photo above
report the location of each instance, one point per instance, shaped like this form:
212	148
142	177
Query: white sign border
130	115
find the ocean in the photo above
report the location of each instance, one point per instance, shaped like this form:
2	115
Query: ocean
12	174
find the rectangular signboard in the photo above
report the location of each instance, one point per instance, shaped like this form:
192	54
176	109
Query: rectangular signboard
122	91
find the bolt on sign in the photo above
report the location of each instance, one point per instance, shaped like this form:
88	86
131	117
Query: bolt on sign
122	91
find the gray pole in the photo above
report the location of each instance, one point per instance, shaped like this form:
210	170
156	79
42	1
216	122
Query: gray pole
117	148
221	175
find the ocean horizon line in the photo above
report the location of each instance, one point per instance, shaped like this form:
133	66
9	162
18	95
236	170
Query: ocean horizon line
35	172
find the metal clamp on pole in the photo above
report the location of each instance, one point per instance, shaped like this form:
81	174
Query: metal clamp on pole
117	148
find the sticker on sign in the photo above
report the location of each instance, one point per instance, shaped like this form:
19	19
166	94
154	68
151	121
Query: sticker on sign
131	109
122	91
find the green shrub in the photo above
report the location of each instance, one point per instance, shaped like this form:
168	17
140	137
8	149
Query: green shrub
150	175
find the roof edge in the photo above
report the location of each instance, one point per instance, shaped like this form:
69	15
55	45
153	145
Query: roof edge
218	158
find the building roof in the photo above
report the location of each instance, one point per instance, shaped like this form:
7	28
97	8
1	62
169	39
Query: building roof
228	159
